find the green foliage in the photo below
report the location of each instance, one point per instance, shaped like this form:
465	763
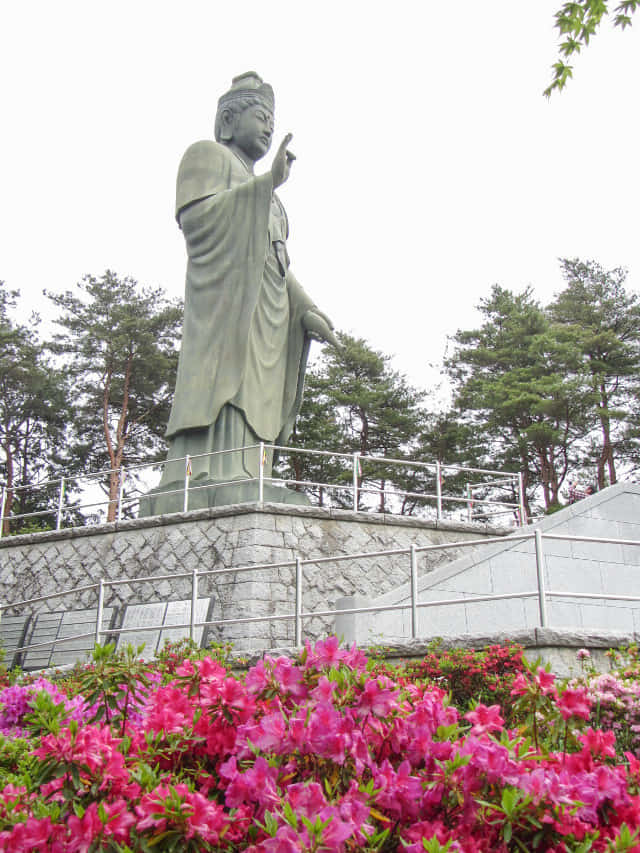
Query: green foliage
356	403
173	653
432	845
626	840
46	716
552	391
514	387
470	676
120	347
33	416
116	683
15	761
600	320
577	23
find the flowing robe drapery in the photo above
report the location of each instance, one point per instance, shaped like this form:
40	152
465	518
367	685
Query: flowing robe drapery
243	342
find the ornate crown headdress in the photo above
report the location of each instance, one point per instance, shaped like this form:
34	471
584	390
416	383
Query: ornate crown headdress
249	84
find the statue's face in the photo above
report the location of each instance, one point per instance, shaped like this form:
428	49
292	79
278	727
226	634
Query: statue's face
253	130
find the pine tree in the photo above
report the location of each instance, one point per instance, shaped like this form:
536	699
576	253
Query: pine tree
515	385
356	403
33	417
120	347
601	321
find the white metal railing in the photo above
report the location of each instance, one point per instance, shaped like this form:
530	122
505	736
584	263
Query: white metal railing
299	615
357	486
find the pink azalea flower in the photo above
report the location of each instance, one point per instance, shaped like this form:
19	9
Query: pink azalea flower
289	677
84	831
270	733
257	678
599	743
521	685
546	681
337	831
574	703
286	840
325	652
206	820
119	820
485	719
151	810
307	799
211	671
355	811
324	690
375	699
34	834
169	711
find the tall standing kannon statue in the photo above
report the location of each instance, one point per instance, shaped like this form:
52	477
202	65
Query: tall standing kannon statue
247	321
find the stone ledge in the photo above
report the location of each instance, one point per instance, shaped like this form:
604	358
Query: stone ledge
530	639
571	638
211	513
550	642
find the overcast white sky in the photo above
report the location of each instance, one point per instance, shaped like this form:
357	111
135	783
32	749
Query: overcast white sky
429	164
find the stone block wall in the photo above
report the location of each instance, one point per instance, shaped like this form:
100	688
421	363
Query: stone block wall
170	548
572	569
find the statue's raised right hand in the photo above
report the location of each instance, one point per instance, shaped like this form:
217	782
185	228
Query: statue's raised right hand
281	165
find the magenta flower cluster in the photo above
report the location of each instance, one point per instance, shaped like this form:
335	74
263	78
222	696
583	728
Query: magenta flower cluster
323	754
15	702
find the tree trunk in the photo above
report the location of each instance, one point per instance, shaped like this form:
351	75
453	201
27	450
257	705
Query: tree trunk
297	472
605	459
525	497
526	479
545	476
114	492
8	495
381	506
115	456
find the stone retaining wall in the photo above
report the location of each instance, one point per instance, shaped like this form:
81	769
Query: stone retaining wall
167	546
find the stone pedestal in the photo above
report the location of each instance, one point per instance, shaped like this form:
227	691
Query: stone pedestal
203	494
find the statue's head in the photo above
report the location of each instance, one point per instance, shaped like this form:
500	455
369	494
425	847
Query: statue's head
245	115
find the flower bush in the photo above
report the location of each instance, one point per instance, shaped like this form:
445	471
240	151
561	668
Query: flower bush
471	675
324	752
615	696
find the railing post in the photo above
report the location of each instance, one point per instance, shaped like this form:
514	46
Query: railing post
438	490
194	601
100	611
469	502
121	492
523	516
542	598
261	474
298	617
60	505
187	477
414	592
2	503
356	466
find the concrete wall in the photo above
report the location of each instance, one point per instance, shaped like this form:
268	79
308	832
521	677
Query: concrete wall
212	539
508	568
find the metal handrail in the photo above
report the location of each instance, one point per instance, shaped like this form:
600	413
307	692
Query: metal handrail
355	486
300	614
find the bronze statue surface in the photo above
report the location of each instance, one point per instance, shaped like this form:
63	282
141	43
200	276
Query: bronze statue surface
247	320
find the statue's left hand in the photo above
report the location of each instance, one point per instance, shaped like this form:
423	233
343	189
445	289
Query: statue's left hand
319	327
